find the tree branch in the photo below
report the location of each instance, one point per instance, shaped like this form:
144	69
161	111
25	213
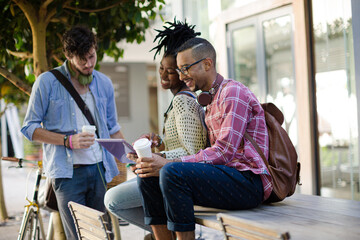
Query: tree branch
61	19
57	59
22	55
15	80
92	10
50	15
27	9
46	4
52	12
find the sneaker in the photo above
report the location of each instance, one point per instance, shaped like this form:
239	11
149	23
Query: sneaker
123	222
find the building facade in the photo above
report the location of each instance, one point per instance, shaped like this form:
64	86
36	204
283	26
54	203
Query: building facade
299	54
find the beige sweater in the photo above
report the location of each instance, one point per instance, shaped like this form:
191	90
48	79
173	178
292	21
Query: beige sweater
185	132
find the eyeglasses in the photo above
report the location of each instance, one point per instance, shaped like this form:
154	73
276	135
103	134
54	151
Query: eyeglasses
185	70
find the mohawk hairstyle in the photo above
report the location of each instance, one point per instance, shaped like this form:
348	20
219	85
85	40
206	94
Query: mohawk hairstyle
173	37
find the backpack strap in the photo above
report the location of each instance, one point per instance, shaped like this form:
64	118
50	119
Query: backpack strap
248	137
70	88
171	103
187	93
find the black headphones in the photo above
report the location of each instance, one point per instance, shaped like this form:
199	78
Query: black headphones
205	98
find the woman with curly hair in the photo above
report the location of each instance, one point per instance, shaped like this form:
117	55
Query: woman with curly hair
184	130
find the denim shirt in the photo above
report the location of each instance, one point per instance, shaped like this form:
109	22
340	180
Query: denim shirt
51	107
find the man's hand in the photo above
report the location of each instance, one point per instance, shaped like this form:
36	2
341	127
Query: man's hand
150	167
82	140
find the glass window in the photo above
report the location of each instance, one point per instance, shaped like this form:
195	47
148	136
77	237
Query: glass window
196	12
244	57
261	57
279	70
336	98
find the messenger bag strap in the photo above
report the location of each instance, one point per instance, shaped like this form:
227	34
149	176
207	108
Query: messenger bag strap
248	137
81	104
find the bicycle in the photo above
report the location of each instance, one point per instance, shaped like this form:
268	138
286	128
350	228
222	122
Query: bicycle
32	224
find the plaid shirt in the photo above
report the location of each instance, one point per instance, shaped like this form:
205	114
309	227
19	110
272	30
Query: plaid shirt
234	110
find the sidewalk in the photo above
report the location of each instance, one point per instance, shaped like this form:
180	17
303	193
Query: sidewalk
17	181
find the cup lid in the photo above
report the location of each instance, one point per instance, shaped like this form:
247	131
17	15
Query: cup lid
90	127
141	143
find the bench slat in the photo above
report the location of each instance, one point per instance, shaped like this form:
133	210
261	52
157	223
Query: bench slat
303	216
89	223
305	226
95	230
249	230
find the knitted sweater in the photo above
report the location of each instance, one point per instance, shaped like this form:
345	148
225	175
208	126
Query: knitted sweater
184	129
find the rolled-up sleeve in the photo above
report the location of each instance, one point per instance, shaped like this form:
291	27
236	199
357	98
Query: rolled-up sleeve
37	106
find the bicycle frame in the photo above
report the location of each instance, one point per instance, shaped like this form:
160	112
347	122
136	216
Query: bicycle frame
36	224
32	224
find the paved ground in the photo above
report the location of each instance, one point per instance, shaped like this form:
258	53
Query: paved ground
17	182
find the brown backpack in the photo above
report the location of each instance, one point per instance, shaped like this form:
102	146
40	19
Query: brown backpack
282	164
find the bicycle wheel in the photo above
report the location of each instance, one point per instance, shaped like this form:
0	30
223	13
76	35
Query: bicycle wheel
30	229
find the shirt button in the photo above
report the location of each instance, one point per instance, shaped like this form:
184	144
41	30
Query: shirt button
73	114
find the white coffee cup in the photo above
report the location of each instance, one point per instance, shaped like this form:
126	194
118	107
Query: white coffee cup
142	147
89	129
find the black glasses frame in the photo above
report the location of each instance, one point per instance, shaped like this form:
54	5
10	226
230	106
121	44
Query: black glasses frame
185	70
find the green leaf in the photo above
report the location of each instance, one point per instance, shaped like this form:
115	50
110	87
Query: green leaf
31	78
137	17
127	21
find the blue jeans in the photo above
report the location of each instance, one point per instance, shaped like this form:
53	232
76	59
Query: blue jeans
124	201
170	198
85	187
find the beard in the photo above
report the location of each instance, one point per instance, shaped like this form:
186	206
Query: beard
83	79
81	73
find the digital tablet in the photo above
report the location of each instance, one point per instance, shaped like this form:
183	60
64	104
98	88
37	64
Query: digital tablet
117	147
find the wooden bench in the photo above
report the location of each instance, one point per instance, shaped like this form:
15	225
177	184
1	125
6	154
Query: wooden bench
235	228
302	216
90	223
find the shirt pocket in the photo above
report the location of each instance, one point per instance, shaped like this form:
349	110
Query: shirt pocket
56	116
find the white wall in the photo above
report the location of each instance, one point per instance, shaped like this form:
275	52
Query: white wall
138	122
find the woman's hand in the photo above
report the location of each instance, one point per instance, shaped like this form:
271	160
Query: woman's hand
155	139
150	167
133	157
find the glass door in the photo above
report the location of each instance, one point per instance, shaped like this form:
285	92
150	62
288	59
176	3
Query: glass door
243	55
261	57
336	99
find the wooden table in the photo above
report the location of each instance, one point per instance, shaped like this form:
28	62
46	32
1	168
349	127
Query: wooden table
303	216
